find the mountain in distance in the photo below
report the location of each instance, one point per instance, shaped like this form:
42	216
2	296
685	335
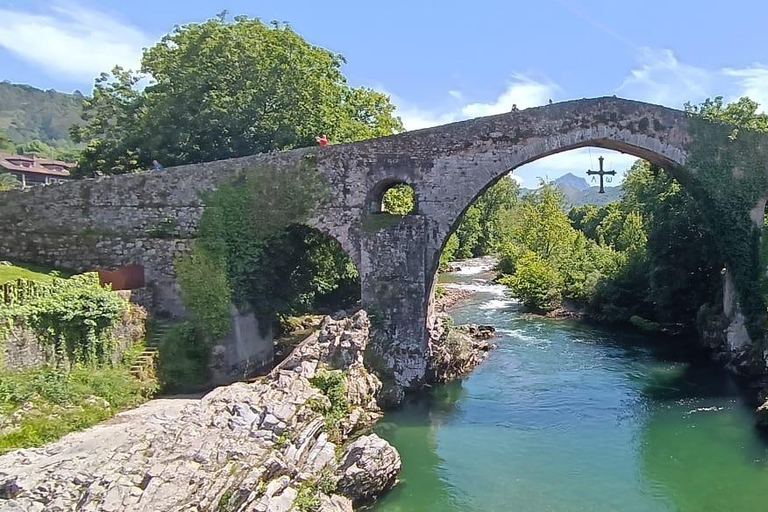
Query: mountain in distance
577	191
28	113
573	181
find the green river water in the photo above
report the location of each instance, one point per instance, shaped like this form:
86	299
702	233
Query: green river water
568	417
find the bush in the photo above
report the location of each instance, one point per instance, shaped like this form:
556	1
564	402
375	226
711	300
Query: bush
331	384
76	318
205	291
184	358
535	282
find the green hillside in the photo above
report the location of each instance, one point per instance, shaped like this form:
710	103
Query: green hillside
28	114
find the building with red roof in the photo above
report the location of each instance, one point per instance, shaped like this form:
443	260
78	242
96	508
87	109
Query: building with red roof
33	170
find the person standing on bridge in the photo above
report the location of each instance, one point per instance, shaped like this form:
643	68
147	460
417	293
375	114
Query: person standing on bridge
322	140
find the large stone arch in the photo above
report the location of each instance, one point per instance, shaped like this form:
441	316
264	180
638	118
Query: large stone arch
109	221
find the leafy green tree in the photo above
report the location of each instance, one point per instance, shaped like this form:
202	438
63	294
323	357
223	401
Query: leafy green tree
449	251
742	113
541	225
35	147
8	181
5	143
468	232
535	282
480	229
225	89
398	200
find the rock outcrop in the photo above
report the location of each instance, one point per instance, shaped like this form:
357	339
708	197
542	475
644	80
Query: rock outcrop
454	351
270	445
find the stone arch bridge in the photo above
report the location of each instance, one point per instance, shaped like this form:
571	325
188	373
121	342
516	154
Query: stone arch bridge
148	218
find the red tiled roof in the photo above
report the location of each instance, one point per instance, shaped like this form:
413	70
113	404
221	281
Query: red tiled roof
11	162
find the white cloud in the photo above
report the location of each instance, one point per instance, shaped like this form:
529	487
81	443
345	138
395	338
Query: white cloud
753	82
72	40
522	92
662	79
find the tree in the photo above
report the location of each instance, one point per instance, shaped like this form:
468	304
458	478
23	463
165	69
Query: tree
742	113
480	229
8	181
535	282
398	200
36	148
5	143
225	89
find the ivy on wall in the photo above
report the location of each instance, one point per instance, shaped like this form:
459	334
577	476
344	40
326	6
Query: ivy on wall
75	317
726	172
238	224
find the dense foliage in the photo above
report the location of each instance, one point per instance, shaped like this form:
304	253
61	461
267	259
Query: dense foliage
480	229
224	89
655	227
728	160
84	381
399	200
543	259
8	181
253	250
75	316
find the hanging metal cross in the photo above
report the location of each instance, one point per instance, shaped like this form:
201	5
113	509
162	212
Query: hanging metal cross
601	173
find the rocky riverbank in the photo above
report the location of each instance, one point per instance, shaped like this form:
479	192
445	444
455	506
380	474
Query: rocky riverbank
452	295
454	351
281	443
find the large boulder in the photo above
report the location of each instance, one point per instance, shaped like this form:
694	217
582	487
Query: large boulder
368	467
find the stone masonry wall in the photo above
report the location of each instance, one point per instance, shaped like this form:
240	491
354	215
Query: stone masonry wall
148	218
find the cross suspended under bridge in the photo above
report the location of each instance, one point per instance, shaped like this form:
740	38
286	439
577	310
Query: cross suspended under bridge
601	173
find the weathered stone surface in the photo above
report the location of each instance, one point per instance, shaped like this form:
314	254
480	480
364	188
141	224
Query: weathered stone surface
243	447
368	467
110	222
453	351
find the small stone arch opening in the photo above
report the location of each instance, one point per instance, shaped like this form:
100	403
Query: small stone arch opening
394	198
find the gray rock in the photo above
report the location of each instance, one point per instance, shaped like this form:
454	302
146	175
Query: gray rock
252	444
368	467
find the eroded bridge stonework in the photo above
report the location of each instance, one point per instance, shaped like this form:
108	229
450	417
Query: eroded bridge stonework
149	218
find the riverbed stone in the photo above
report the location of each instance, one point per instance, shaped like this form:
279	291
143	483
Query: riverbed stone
248	446
369	466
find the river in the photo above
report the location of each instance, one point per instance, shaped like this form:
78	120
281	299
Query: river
569	417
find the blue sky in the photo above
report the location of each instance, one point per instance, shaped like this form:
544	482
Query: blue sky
440	62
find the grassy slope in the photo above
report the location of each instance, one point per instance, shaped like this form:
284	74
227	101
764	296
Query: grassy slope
13	272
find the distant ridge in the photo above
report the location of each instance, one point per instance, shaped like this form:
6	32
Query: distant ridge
28	113
577	191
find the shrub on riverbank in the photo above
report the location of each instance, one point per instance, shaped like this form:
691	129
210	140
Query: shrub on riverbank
184	357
